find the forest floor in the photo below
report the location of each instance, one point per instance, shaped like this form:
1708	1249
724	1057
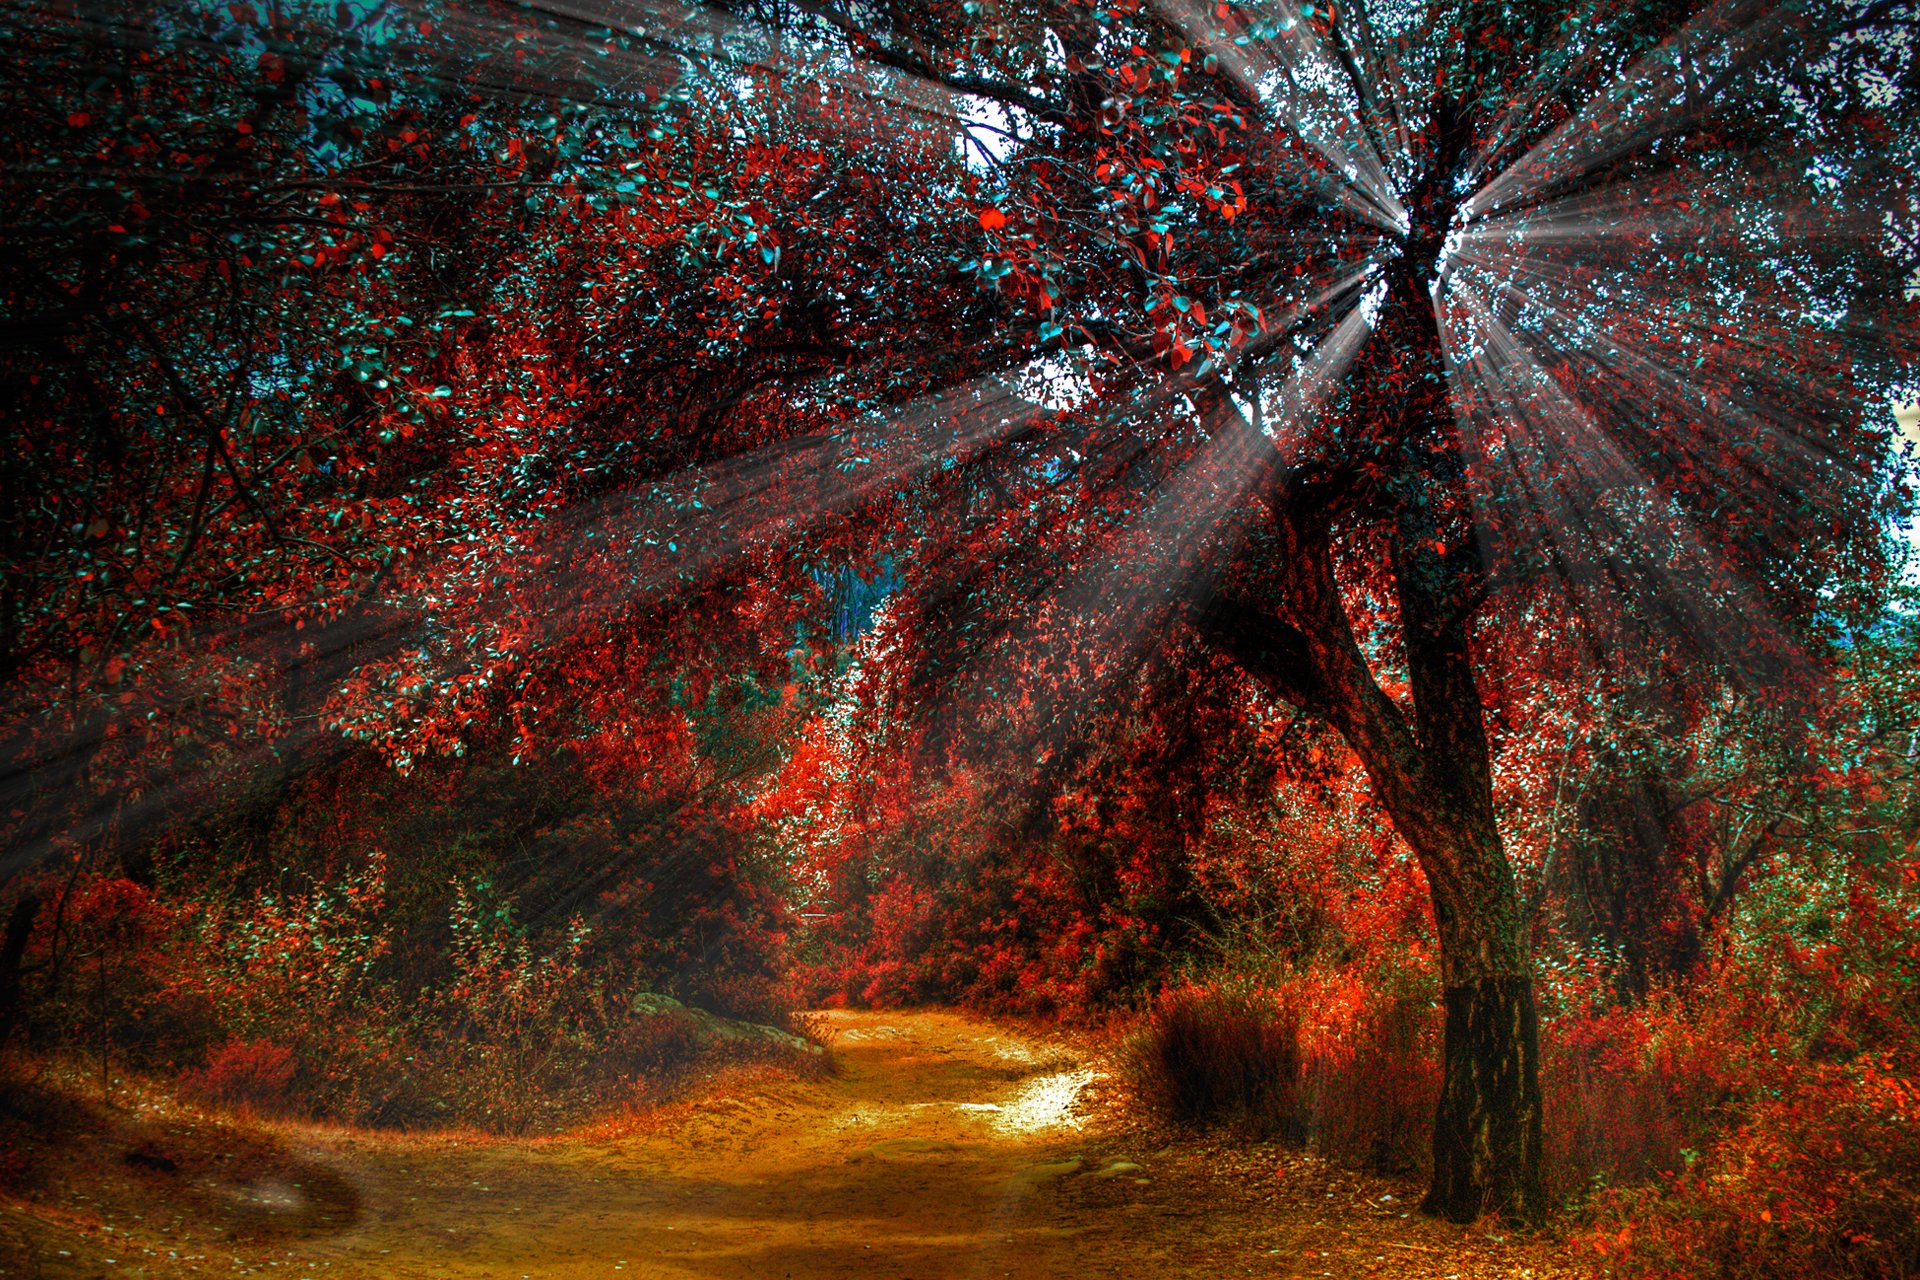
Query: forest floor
943	1146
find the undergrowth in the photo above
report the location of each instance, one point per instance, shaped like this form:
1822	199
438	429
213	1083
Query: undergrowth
291	1005
1761	1122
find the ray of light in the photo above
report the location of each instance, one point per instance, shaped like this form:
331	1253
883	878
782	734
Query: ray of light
661	43
1569	61
1304	89
1519	308
614	553
1712	57
1713	313
1112	597
1598	280
1562	481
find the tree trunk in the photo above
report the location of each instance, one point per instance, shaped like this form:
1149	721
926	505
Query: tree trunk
13	950
1487	1142
1621	877
1429	764
1486	1136
1487	1133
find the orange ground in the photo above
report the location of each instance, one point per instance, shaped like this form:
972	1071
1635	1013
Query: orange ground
944	1147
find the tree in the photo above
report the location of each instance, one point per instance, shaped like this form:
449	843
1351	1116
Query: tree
1423	331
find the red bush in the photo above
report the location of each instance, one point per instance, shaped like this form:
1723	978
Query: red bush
111	967
256	1074
1374	1079
1344	1061
1787	1078
1820	1178
1615	1101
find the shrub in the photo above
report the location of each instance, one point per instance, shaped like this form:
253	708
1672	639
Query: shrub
1345	1060
1374	1078
1219	1053
294	968
657	1046
256	1074
1788	1078
1615	1104
1821	1179
111	972
286	1002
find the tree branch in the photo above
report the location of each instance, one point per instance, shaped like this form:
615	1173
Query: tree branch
1271	651
871	48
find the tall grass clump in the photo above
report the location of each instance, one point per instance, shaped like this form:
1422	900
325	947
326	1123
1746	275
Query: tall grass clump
1338	1059
1219	1053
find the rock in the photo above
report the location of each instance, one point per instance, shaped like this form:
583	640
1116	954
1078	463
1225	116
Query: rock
1116	1169
1048	1171
714	1027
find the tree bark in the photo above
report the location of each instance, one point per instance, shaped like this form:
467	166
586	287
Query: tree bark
1486	1137
1487	1133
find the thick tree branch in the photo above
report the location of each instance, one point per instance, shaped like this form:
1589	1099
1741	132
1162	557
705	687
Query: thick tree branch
1272	652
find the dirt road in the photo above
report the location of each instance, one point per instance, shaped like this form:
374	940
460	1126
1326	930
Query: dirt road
944	1147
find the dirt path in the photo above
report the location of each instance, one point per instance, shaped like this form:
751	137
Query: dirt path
943	1147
